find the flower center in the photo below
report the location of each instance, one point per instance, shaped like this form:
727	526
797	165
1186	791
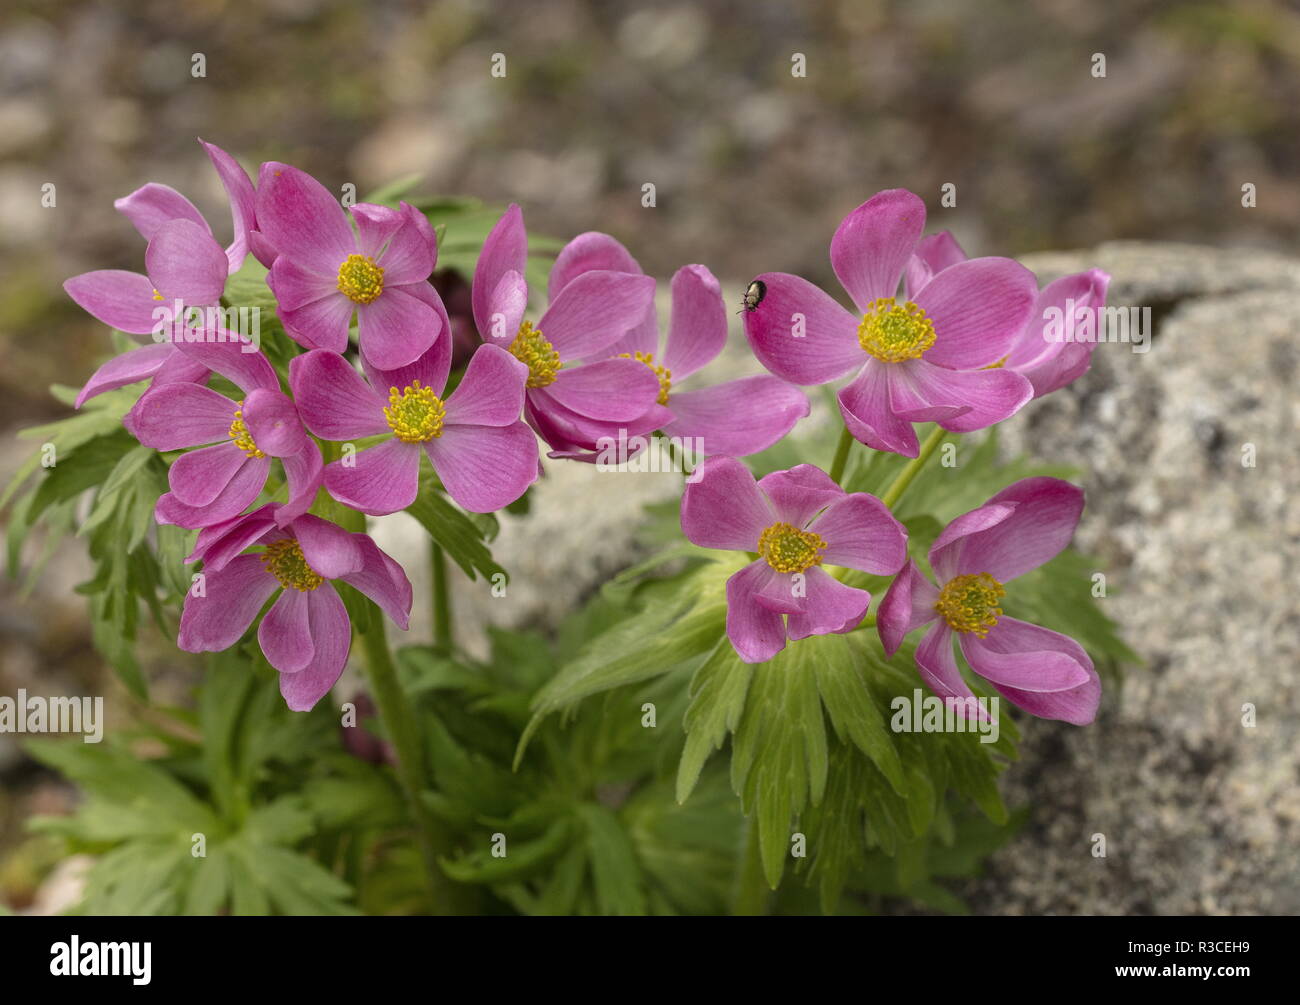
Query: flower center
894	333
789	549
284	561
240	434
970	603
662	372
532	350
360	279
414	413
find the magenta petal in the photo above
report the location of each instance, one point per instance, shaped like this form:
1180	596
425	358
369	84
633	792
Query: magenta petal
947	547
376	226
302	220
382	579
273	422
321	324
122	300
589	252
175	416
594	311
992	395
485	467
723	507
330	550
334	401
797	495
305	473
217	544
396	329
614	390
756	633
871	246
430	368
908	604
697	327
507	305
931	255
910	401
978	308
642	338
861	533
410	255
231	599
331	634
492	391
184	261
738	418
829	607
379	480
285	632
296	287
1039	528
233	500
198	477
152	205
867	412
800	334
937	664
1010	657
239	362
128	368
1012	647
243	202
505	250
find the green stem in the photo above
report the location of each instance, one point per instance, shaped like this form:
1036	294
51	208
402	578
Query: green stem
752	891
904	479
442	640
841	455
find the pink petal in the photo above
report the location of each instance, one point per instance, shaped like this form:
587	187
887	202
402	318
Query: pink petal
505	250
233	500
1051	359
285	632
219	543
932	255
485	467
614	390
430	368
865	408
1010	657
594	311
723	506
829	607
238	362
331	634
130	367
508	303
381	479
908	400
1045	515
828	346
797	495
492	391
175	416
302	220
964	400
1013	647
937	665
376	226
947	547
334	401
756	633
697	329
296	287
330	550
121	300
152	205
871	247
589	252
305	473
382	580
185	262
411	255
861	533
908	604
396	329
738	418
978	308
198	477
273	422
321	324
243	202
232	597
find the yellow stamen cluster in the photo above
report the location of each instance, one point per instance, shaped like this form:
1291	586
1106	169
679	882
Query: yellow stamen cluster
157	295
662	372
532	350
414	413
970	603
360	279
895	332
284	560
786	548
240	434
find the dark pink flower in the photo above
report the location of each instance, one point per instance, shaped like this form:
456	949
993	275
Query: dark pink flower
795	520
1047	674
483	454
571	406
306	634
324	273
925	359
737	418
220	481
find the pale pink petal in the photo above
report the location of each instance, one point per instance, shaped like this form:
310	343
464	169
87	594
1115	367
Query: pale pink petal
175	416
972	399
505	250
321	324
829	607
799	494
723	507
331	634
615	390
861	533
238	362
594	311
231	599
411	255
130	367
756	633
376	226
738	418
330	550
908	604
871	246
198	477
508	303
932	255
334	401
379	480
697	327
285	632
492	391
396	329
243	202
978	308
1012	648
152	205
485	468
1046	512
272	421
301	219
184	261
296	287
126	301
241	491
866	410
589	252
800	334
937	665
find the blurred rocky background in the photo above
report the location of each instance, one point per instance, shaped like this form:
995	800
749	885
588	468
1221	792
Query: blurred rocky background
753	167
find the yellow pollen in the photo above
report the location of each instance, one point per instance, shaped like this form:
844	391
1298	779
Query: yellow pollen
970	603
662	372
532	349
998	365
157	295
894	333
360	279
789	549
284	560
240	434
414	413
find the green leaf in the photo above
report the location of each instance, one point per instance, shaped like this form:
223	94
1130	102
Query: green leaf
614	868
718	692
461	537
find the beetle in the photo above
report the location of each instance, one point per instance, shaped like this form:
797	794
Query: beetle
754	295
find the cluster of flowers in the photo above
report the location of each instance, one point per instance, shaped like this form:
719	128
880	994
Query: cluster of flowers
961	349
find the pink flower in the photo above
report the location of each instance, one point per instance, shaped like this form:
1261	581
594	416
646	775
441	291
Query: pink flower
572	407
1053	349
925	359
483	454
324	273
220	481
306	634
1045	673
795	520
737	418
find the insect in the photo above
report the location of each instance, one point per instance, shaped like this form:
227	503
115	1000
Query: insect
754	295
